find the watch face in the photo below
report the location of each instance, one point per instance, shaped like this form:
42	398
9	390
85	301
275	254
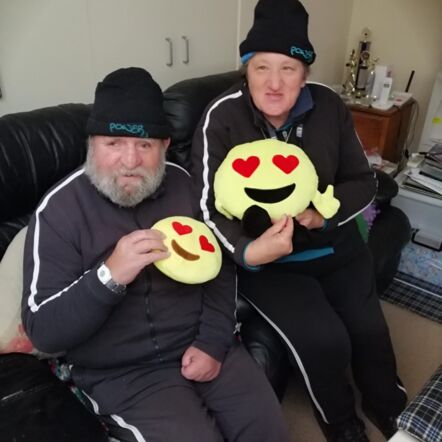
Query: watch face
104	274
105	277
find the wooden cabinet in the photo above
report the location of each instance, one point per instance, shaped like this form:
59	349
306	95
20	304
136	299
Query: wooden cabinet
384	132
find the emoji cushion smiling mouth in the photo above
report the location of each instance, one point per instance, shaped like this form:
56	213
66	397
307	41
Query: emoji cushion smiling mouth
270	196
183	252
195	255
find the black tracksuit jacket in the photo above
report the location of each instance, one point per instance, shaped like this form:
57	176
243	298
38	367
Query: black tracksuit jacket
328	138
66	308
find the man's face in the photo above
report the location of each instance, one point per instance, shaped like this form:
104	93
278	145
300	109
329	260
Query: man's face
275	81
126	169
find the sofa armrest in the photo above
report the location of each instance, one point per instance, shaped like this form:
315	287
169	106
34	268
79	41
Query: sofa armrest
265	346
387	188
389	234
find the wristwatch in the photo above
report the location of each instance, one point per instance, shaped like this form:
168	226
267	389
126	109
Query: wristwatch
105	277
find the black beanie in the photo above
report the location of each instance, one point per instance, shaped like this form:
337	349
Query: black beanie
280	26
128	102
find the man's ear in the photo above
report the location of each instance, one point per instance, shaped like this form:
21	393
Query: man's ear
166	143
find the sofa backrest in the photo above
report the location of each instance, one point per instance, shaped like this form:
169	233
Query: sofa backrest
184	103
39	147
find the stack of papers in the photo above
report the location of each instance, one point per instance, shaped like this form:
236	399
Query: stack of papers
426	178
434	155
418	182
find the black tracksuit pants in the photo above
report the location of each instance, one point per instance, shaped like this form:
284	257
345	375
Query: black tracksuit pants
146	405
328	313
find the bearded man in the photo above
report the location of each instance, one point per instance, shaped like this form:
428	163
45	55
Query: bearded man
157	359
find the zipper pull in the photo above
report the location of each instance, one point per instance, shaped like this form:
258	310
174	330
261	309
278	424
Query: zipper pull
299	130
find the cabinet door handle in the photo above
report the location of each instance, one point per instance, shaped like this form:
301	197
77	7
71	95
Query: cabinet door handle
186	42
170	63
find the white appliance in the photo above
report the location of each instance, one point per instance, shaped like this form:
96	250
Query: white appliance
424	213
432	131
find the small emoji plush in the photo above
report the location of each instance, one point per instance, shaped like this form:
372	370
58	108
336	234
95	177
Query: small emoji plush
271	177
195	255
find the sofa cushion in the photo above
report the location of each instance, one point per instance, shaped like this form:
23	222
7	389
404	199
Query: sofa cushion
9	229
12	336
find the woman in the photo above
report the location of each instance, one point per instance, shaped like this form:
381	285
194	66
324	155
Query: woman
319	295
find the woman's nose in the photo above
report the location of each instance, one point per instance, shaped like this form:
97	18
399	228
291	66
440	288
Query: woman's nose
274	80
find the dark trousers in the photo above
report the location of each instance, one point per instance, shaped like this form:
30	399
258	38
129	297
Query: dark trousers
162	406
328	313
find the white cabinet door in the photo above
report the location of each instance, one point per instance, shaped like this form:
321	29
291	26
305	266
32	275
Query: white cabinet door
173	39
211	27
55	51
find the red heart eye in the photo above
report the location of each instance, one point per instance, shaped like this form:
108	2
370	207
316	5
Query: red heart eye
246	167
286	164
206	245
181	229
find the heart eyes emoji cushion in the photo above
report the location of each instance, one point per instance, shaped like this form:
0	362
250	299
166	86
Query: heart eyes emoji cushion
276	176
195	255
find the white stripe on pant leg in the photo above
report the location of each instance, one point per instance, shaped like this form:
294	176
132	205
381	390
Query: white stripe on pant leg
122	423
94	404
401	388
119	420
295	355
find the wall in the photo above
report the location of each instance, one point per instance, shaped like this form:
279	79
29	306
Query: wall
406	34
329	27
28	30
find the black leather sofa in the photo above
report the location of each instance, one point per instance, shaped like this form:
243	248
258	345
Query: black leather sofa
37	148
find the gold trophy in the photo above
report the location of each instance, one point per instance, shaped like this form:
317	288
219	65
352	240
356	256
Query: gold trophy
350	76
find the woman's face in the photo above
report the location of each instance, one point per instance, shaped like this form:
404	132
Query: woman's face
275	81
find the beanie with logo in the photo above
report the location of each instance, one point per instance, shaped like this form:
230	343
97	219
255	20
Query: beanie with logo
128	102
279	26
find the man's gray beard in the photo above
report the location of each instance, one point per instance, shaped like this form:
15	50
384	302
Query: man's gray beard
107	183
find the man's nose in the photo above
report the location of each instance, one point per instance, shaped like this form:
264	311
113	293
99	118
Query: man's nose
130	157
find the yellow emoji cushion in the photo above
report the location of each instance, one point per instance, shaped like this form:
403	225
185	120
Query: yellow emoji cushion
195	255
276	176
